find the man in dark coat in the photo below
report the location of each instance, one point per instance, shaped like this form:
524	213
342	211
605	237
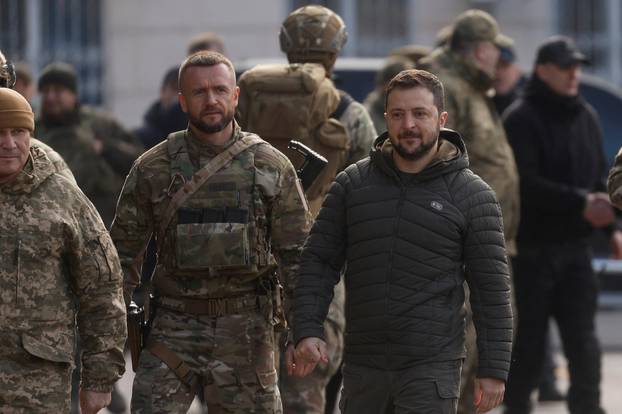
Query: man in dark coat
556	139
410	223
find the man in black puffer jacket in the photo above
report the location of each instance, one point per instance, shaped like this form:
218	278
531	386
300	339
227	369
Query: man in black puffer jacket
410	223
557	143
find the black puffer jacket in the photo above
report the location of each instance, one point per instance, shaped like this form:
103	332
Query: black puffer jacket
406	241
559	152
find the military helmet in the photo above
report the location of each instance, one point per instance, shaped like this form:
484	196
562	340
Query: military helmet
311	30
7	73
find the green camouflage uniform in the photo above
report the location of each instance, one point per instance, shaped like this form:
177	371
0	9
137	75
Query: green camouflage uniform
221	245
374	103
59	163
472	113
308	395
100	176
59	272
614	183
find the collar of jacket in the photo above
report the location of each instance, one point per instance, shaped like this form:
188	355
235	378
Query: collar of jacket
451	156
542	96
197	147
37	168
474	76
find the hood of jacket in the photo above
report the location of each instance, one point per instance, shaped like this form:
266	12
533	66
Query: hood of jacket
37	169
451	156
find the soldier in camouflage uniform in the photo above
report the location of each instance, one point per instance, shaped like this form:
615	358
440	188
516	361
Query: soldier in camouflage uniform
98	150
60	272
7	80
315	34
213	284
466	66
614	182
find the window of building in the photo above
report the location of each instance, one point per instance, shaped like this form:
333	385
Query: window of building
38	32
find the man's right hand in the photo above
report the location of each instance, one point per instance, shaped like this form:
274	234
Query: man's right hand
308	353
598	211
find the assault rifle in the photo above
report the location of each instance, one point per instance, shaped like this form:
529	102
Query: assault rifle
312	166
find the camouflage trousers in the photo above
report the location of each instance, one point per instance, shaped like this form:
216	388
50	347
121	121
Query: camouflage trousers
29	384
233	357
308	395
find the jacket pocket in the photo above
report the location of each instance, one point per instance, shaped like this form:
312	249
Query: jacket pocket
45	348
212	245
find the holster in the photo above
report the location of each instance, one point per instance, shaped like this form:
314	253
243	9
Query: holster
139	320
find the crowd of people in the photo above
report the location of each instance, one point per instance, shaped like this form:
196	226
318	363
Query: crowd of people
419	270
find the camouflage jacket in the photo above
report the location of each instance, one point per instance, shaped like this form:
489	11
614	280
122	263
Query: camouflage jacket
60	268
59	163
472	113
374	103
98	171
278	211
614	183
361	131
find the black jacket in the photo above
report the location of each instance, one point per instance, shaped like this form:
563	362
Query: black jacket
406	240
558	149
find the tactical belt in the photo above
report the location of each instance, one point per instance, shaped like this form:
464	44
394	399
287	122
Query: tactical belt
215	306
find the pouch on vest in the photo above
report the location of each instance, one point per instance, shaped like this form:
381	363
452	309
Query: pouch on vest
283	102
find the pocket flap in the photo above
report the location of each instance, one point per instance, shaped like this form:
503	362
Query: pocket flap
446	389
38	348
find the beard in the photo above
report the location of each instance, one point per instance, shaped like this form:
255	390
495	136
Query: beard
418	152
211	128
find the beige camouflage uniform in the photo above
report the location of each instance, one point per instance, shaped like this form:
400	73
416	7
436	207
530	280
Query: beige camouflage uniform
308	394
614	183
59	272
472	113
99	175
219	248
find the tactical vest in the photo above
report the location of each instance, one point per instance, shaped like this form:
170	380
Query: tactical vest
220	229
296	101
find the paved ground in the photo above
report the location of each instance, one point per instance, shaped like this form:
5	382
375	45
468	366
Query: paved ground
610	333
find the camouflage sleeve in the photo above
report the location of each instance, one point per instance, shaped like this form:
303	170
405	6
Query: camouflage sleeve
360	130
120	147
614	182
290	222
132	229
97	281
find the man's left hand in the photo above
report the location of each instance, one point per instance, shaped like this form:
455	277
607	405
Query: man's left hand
488	393
91	401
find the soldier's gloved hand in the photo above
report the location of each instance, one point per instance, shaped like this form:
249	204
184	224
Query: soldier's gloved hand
91	401
488	393
308	353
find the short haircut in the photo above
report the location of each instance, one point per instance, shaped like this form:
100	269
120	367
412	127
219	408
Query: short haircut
417	78
204	59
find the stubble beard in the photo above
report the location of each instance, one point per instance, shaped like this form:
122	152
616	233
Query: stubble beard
203	126
418	152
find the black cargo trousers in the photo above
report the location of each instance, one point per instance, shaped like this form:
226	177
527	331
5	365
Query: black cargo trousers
427	388
557	280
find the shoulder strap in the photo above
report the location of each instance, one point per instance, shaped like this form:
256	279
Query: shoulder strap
344	101
201	176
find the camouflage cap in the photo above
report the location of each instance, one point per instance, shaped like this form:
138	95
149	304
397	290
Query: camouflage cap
59	73
475	26
413	52
312	29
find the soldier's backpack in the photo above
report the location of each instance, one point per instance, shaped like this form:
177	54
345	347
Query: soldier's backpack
284	102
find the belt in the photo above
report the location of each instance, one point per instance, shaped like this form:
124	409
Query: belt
215	306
